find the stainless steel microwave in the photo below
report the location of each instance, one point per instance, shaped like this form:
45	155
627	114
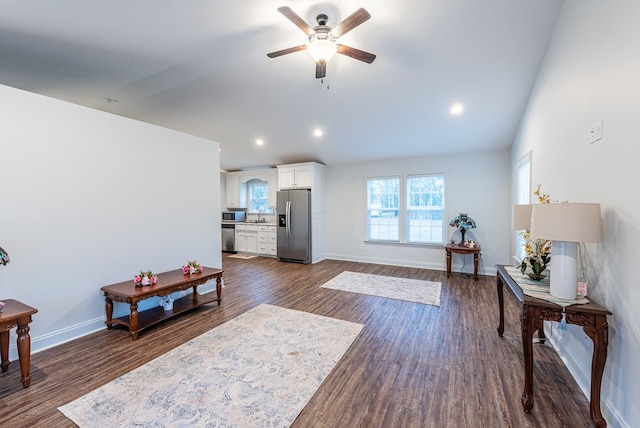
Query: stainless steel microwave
233	216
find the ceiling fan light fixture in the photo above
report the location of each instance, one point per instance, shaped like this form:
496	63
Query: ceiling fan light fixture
322	46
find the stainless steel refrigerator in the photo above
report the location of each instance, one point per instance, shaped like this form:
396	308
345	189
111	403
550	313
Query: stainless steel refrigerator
294	225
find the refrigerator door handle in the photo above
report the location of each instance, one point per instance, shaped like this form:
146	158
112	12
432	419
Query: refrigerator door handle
288	214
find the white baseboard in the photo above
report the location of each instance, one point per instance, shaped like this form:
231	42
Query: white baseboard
581	376
49	340
403	263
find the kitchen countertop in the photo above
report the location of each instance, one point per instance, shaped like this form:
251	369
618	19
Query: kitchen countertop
256	223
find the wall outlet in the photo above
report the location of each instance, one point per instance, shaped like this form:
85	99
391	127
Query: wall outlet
596	132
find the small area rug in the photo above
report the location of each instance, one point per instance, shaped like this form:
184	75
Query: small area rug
257	370
242	256
412	290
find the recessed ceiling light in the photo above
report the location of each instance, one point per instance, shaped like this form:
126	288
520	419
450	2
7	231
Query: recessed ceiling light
456	109
318	132
260	141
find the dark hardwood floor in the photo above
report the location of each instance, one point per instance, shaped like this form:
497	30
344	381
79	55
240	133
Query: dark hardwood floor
412	366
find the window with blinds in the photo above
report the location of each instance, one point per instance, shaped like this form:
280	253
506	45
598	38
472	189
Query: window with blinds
412	215
524	193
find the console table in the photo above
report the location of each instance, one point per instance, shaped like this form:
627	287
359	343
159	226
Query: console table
168	282
17	314
461	249
591	316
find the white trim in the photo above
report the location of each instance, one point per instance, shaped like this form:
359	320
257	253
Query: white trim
582	378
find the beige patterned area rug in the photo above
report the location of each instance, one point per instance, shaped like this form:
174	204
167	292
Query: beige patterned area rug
258	370
412	290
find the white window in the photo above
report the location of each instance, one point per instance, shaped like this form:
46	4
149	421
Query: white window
409	210
425	209
258	192
524	193
383	197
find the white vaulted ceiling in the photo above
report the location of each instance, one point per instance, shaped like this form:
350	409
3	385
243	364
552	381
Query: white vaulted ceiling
201	67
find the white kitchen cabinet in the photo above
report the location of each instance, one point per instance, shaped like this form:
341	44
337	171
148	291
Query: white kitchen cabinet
267	240
246	238
272	248
296	176
273	187
236	191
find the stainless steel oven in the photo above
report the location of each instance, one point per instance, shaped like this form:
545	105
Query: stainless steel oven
229	238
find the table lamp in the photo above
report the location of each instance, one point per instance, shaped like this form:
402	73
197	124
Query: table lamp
565	224
4	257
464	223
521	217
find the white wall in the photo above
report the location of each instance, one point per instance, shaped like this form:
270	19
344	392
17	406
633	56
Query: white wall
90	199
475	183
591	73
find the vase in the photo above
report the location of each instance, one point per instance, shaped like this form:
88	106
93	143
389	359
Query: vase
166	303
536	276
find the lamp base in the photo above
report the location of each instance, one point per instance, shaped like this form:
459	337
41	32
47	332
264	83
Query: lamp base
463	231
564	279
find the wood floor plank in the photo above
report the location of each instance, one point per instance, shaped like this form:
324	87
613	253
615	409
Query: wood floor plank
413	365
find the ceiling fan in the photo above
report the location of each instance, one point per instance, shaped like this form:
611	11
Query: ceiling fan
322	39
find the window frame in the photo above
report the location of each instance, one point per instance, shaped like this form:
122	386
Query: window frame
382	210
251	185
403	209
441	209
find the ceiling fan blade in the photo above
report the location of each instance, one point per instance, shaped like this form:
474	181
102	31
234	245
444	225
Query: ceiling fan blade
321	69
356	53
293	17
350	22
287	51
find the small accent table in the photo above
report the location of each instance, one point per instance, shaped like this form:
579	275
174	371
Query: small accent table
591	316
168	282
17	314
461	249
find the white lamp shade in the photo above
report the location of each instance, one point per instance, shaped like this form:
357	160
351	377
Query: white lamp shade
322	50
521	217
567	222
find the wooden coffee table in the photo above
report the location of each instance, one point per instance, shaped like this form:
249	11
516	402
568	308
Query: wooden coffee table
168	282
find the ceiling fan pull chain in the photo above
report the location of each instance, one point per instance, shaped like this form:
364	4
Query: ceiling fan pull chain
322	83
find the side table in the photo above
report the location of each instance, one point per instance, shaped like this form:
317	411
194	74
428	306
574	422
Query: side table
17	314
461	249
591	316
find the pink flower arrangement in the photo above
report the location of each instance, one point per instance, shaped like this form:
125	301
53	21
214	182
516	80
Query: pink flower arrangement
471	244
145	278
192	267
